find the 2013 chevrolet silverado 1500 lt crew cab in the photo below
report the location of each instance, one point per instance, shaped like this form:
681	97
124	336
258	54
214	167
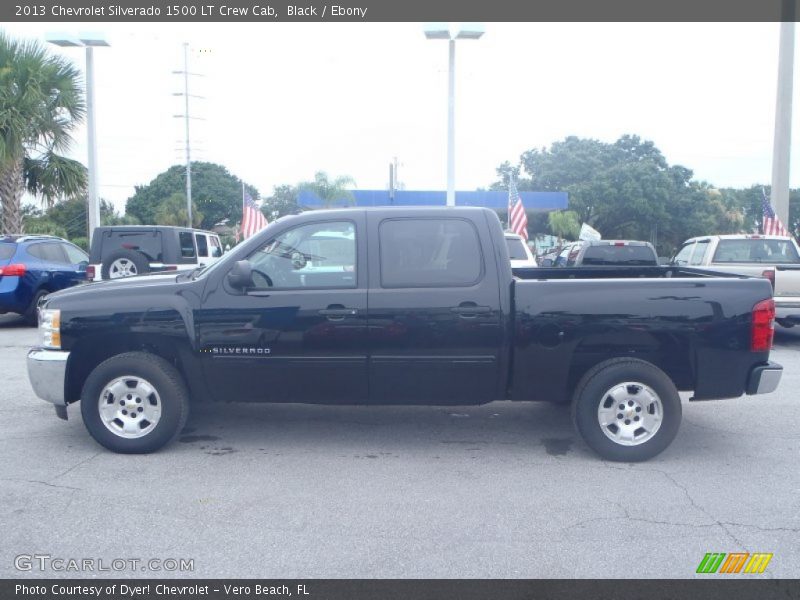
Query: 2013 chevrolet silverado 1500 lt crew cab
403	306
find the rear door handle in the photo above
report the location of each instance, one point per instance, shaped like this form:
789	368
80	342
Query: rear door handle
471	310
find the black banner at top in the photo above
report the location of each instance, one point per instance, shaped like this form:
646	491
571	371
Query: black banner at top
243	11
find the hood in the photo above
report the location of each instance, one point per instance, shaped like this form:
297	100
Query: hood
111	285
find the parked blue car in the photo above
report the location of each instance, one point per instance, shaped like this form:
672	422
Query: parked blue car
32	266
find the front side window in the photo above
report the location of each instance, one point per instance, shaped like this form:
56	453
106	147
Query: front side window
682	257
317	255
429	253
216	247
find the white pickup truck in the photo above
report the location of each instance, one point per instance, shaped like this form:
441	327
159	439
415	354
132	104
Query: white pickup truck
775	257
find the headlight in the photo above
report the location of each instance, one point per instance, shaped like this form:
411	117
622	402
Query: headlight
50	326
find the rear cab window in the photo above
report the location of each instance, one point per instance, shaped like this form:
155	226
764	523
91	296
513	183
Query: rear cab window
619	255
756	250
436	252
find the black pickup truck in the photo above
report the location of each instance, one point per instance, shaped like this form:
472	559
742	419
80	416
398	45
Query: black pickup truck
403	306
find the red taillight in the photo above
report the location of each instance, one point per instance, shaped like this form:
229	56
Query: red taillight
90	272
763	326
619	243
769	274
171	268
13	270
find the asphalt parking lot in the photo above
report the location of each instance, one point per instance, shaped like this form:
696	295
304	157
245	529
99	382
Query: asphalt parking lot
501	490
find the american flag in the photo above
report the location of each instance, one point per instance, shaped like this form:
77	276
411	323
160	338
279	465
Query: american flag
771	224
517	219
253	220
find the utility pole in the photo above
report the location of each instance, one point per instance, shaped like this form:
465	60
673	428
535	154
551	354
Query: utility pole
186	116
781	151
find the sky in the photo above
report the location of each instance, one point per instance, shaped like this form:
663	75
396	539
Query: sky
284	100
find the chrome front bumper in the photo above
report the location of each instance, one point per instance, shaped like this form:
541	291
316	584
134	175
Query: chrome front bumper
47	370
764	379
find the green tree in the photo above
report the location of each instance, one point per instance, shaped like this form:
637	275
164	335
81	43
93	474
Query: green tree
330	191
283	201
173	212
70	216
564	224
215	191
41	103
627	189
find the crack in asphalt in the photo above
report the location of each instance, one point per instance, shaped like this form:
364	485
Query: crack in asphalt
716	522
66	487
76	465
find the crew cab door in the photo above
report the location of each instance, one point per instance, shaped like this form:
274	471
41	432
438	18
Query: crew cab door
435	325
299	335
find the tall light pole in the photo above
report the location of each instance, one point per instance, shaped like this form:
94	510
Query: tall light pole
186	118
442	31
782	145
88	41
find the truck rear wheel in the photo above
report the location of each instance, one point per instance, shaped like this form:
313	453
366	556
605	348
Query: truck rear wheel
627	410
134	403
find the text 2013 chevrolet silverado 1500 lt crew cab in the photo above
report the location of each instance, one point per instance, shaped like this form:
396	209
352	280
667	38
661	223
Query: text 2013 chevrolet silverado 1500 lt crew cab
403	306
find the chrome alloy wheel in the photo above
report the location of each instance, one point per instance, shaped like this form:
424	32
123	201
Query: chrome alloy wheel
129	407
630	413
122	267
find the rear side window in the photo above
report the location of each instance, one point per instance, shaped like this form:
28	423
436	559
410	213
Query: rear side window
146	242
7	251
756	250
202	244
74	254
516	249
49	252
187	244
429	253
619	255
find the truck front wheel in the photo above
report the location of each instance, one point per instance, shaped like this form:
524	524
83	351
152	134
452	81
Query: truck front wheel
134	403
627	410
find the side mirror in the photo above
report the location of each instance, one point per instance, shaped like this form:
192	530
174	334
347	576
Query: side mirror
299	260
240	277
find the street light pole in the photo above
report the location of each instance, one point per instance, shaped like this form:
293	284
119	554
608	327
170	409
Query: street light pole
783	121
451	126
188	146
87	41
441	31
94	200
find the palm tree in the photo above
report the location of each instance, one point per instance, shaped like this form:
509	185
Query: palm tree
330	191
564	223
41	103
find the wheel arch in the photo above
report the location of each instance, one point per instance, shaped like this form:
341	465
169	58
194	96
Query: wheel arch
88	353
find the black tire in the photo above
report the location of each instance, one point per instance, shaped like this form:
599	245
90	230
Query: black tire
173	400
31	315
785	323
593	389
139	260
